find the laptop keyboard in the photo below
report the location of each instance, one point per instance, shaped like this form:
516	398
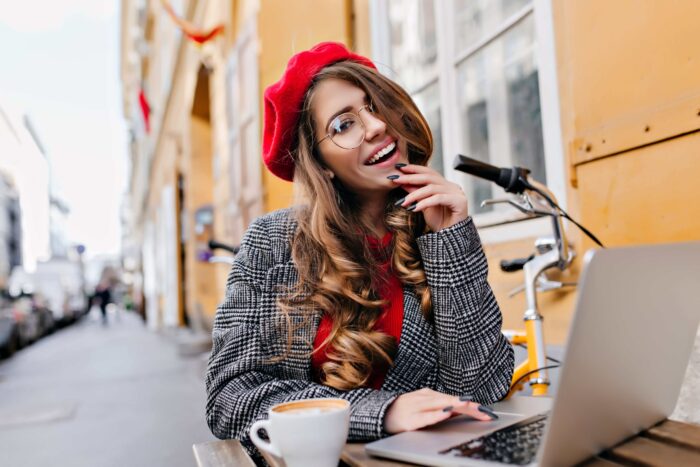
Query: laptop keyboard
514	444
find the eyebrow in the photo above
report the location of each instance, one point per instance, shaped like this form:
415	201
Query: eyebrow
347	108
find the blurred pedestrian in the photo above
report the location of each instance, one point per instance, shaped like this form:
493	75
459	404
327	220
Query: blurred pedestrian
104	292
103	297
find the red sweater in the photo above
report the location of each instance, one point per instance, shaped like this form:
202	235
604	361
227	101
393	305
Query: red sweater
389	322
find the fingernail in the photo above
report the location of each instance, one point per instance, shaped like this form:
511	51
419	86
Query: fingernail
411	207
399	202
466	397
400	165
448	408
488	411
393	177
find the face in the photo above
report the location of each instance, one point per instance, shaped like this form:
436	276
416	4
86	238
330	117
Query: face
364	169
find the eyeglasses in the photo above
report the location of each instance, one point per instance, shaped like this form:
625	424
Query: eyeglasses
347	130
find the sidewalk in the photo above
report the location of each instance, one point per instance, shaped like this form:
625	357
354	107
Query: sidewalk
93	395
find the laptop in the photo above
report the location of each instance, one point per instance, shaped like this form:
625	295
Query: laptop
636	317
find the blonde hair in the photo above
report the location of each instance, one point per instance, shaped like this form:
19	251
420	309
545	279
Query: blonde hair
334	261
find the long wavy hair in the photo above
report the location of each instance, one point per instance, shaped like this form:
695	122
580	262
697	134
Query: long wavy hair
337	268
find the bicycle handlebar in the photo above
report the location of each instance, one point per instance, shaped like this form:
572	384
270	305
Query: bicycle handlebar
213	245
513	180
535	199
515	264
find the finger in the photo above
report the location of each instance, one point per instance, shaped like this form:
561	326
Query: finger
410	188
476	411
419	179
421	193
415	168
439	402
424	419
442	199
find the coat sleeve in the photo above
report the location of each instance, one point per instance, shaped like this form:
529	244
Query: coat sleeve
241	385
474	356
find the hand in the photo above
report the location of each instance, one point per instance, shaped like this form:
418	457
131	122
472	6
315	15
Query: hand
426	407
442	203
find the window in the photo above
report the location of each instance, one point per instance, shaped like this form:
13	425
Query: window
473	68
413	61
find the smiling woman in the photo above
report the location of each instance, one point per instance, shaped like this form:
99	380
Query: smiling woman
373	288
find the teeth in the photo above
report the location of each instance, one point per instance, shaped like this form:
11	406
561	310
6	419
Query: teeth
382	153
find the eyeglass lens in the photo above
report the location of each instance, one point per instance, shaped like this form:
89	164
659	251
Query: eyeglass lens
347	131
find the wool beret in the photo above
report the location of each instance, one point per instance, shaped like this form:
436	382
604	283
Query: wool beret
283	101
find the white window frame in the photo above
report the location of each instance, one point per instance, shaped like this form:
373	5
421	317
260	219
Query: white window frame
545	55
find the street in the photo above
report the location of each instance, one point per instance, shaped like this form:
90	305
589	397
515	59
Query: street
93	395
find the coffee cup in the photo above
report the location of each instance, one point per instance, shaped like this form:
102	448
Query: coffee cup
305	433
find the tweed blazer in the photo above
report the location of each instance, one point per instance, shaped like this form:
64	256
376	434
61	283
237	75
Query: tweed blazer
462	351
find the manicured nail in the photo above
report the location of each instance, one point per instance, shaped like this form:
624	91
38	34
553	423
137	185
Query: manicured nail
448	408
488	411
466	397
393	177
411	207
400	165
400	202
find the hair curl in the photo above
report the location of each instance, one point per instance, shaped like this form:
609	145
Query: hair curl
336	265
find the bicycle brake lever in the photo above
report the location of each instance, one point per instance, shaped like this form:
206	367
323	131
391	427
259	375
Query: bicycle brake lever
524	208
543	285
516	291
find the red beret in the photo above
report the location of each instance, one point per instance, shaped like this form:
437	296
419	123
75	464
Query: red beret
284	98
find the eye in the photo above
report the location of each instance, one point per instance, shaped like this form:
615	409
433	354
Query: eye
342	124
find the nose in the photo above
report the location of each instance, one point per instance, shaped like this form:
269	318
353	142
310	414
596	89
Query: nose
374	126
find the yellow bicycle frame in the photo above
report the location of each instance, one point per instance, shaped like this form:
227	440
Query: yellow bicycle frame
533	338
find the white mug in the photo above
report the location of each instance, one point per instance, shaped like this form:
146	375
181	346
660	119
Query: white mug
305	433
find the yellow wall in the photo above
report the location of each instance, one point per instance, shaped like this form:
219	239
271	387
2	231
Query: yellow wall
285	28
200	277
629	92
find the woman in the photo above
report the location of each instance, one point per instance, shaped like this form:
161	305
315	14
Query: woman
373	289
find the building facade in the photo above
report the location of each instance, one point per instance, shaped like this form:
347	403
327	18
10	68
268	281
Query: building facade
603	108
24	169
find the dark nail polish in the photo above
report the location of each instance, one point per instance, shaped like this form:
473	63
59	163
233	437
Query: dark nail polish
448	408
466	397
393	177
411	207
400	165
399	202
488	411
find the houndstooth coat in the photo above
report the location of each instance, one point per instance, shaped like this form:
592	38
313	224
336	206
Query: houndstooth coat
461	352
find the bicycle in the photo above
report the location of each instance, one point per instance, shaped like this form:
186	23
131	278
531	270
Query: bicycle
215	245
534	200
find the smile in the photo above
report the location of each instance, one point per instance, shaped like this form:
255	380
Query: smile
382	155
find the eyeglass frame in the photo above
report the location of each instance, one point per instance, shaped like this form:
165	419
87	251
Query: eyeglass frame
356	114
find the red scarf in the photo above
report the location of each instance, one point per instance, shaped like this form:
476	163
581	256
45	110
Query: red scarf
389	322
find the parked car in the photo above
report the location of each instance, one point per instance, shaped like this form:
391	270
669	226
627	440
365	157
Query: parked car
59	283
27	320
9	333
47	323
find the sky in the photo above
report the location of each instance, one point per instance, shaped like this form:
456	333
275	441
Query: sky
59	63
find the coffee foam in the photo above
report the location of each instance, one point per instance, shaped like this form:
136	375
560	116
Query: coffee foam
311	406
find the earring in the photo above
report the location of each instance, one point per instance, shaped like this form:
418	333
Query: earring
331	175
